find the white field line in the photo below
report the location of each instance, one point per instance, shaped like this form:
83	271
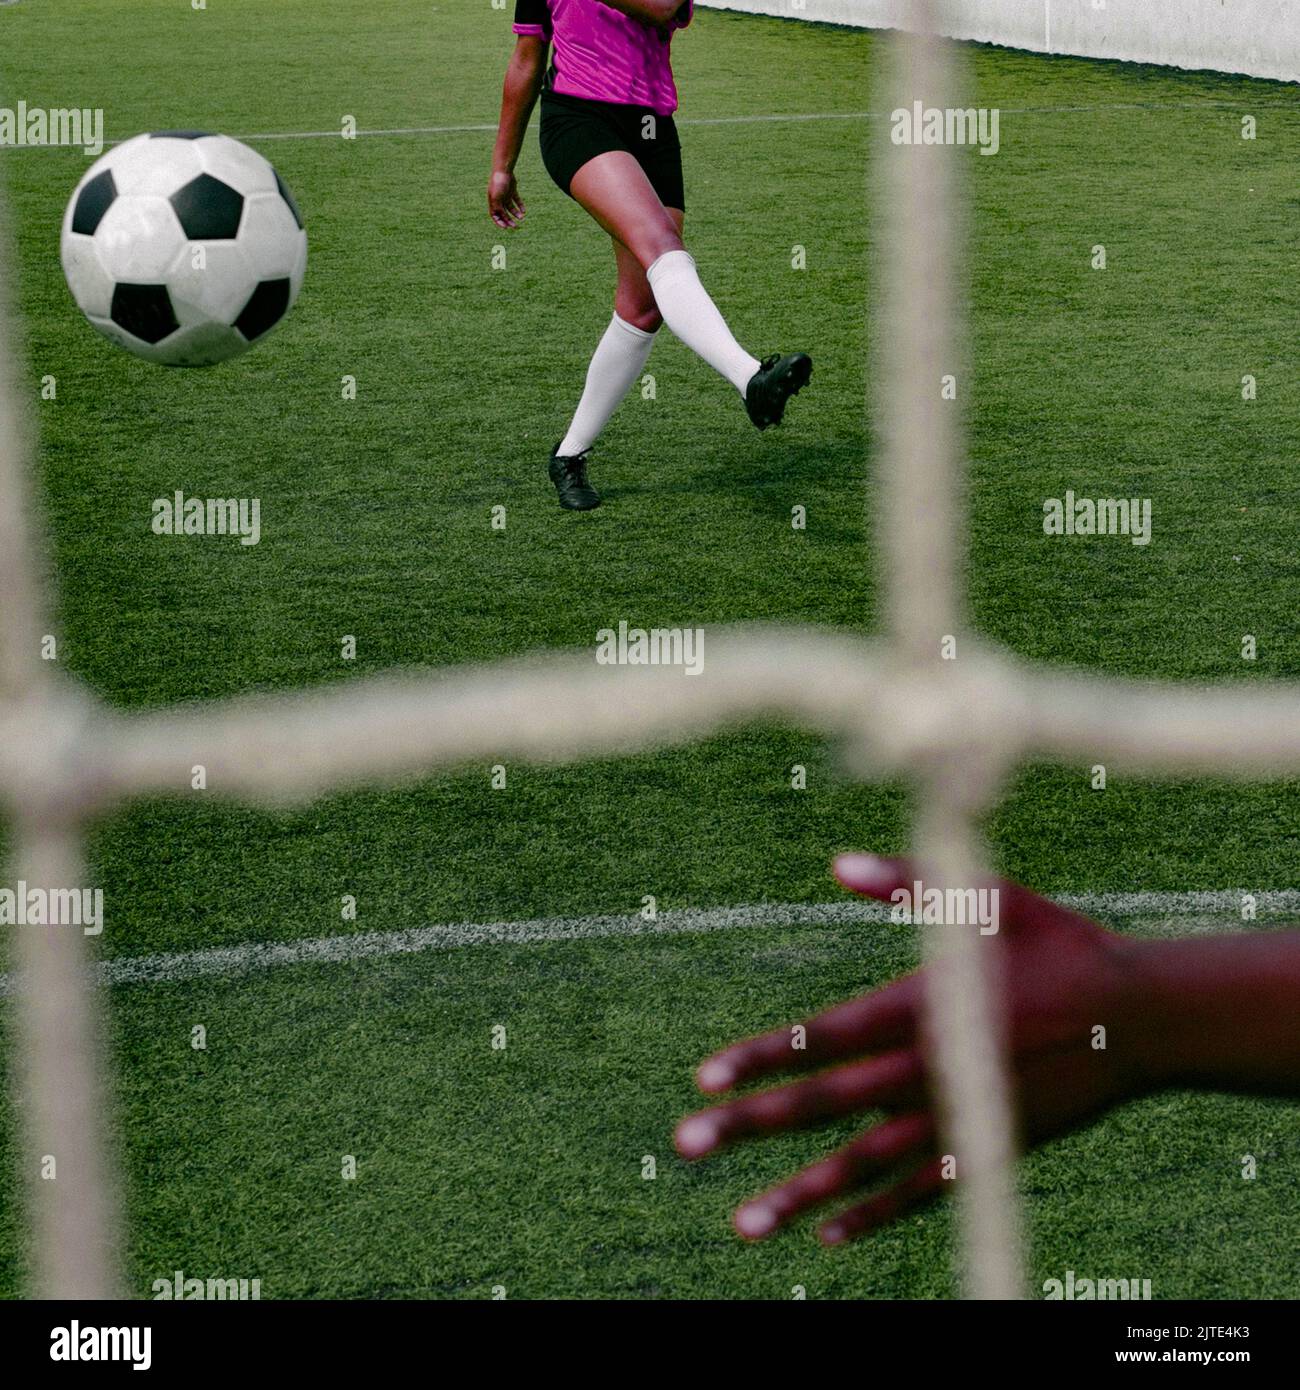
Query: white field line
764	119
778	118
1162	912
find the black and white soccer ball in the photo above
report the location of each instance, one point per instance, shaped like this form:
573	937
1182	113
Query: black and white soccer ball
184	248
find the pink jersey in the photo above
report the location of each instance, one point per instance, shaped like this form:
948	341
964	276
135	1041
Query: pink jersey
604	55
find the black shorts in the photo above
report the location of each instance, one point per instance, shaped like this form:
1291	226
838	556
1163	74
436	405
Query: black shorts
575	130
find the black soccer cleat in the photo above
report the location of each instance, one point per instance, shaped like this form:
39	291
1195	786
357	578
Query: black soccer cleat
570	478
777	379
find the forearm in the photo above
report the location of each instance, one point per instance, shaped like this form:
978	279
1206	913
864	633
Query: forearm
522	86
1228	1010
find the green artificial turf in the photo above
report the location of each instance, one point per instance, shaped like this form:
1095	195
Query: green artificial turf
522	1168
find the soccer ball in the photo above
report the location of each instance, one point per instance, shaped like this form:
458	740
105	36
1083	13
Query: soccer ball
184	248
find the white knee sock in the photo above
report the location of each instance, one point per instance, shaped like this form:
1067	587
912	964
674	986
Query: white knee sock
693	316
618	360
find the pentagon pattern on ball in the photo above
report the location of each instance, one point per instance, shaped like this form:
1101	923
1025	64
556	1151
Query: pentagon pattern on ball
236	164
273	240
84	268
93	202
208	209
215	287
130	237
264	310
144	311
153	167
288	198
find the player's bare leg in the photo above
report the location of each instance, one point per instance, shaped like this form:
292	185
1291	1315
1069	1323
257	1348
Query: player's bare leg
618	362
615	190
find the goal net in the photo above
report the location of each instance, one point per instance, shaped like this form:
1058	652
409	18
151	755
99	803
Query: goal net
926	698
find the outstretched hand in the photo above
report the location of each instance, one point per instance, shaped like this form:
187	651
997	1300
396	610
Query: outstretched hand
1061	977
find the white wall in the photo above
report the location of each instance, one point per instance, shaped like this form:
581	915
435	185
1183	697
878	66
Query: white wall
1259	37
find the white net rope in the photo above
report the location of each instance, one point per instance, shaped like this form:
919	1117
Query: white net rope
957	726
